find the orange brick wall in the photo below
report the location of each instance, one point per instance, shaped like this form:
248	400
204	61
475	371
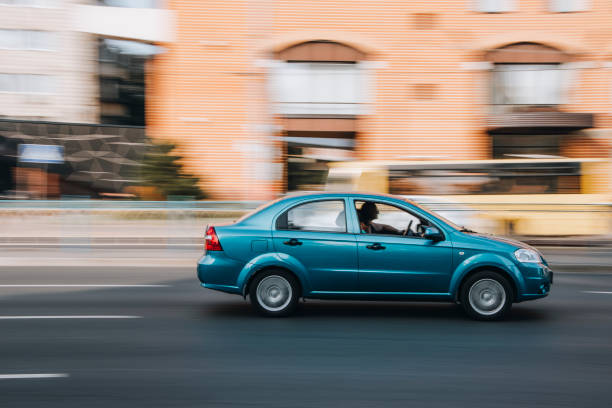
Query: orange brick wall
207	92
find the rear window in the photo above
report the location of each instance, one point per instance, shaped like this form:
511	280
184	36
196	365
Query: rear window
322	216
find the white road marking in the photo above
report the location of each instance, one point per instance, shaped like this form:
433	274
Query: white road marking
597	291
82	286
25	376
71	317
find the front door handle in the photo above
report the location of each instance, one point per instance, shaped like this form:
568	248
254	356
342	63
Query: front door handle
375	247
293	242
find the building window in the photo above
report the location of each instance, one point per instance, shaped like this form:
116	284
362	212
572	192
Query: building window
568	6
495	6
27	83
109	90
121	75
133	3
30	3
27	40
527	84
316	88
526	145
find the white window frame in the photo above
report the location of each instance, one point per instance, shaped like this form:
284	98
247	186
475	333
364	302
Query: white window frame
149	4
43	4
315	92
24	84
535	95
568	6
495	6
26	40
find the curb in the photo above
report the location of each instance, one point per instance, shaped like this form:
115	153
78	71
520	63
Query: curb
101	262
566	243
571	268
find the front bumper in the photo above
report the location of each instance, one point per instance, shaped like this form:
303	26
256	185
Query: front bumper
538	280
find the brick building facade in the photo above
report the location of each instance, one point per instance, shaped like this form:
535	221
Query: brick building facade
253	89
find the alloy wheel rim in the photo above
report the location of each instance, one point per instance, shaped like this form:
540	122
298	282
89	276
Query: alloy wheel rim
274	293
487	297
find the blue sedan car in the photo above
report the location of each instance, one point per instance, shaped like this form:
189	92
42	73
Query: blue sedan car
367	247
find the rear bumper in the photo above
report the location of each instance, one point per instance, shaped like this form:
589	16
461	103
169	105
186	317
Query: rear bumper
222	288
217	271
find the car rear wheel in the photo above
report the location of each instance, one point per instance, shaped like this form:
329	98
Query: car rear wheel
486	295
274	293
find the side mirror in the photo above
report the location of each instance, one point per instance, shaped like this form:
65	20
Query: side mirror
433	234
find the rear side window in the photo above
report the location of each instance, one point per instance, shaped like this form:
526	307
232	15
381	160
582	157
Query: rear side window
322	216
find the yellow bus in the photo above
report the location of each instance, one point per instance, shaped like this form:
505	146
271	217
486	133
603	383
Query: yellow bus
547	196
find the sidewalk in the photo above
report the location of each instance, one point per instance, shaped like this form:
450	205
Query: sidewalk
102	240
189	231
575	241
170	255
87	257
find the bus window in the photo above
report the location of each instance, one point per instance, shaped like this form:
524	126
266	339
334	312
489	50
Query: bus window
487	178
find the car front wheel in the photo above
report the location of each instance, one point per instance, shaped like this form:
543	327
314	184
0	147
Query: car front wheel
274	293
486	296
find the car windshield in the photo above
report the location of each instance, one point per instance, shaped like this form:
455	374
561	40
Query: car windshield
436	215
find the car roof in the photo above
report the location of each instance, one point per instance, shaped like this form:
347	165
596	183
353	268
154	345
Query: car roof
269	210
315	194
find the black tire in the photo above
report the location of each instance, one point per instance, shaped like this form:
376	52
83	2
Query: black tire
280	285
492	296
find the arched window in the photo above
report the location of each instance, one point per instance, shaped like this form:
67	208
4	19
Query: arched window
319	78
527	74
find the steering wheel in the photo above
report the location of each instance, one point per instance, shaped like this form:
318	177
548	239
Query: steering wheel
405	232
420	230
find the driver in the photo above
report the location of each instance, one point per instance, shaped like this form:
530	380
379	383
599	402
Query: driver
367	214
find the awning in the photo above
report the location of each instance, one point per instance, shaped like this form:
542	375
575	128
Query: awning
517	121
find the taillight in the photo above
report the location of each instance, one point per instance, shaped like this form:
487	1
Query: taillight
212	240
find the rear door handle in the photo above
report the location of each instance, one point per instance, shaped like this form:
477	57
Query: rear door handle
293	242
375	247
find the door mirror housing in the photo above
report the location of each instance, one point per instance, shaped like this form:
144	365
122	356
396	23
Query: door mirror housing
433	234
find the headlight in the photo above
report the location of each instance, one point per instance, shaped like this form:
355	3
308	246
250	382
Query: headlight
527	255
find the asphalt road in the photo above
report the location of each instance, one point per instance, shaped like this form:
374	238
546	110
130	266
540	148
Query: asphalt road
177	345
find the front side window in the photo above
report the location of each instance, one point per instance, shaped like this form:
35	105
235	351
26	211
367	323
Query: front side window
322	216
379	218
527	84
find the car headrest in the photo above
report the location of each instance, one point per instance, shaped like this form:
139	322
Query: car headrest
341	219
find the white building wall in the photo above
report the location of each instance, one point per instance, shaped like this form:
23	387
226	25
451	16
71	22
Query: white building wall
70	93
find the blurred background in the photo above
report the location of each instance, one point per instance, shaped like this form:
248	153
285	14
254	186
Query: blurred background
126	126
497	112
